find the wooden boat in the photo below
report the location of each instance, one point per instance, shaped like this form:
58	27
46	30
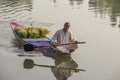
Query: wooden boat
40	44
29	43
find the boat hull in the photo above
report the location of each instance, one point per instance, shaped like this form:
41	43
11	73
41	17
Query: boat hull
35	42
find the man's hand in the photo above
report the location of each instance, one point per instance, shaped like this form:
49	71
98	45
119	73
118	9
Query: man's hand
53	44
76	42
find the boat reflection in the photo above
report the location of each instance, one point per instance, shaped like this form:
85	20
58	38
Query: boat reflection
64	67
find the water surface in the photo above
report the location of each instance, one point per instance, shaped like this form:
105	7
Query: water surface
95	21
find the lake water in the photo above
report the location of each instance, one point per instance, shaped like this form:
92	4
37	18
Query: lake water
95	21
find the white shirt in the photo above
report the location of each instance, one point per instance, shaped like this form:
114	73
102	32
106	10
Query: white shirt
61	37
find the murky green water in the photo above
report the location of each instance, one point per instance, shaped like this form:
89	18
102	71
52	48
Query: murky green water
95	21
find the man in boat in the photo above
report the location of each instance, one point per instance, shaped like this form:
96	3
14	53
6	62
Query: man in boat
63	36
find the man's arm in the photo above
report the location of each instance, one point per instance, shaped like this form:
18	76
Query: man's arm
72	37
54	38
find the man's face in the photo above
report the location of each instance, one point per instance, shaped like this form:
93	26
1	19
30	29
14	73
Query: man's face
66	27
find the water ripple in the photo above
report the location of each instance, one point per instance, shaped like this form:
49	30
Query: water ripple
16	10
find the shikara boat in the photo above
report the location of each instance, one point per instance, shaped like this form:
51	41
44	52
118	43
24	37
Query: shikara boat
38	44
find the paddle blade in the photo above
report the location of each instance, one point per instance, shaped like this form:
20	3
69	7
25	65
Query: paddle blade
28	47
28	64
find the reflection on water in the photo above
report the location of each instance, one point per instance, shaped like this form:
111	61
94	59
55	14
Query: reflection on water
75	2
71	2
107	7
15	10
21	10
64	67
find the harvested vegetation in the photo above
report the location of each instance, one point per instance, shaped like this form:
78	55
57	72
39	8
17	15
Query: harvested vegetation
31	32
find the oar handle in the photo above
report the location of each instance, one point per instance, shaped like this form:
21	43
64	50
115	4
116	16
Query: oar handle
50	66
76	42
81	42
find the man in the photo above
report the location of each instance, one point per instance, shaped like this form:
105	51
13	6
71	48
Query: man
65	36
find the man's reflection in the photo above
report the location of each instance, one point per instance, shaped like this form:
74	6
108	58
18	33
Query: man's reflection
65	62
64	67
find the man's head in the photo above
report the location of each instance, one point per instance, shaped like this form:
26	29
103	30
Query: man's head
66	26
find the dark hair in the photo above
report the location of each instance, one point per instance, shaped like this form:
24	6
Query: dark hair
66	23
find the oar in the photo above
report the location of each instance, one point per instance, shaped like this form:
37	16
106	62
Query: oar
77	42
29	64
30	47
